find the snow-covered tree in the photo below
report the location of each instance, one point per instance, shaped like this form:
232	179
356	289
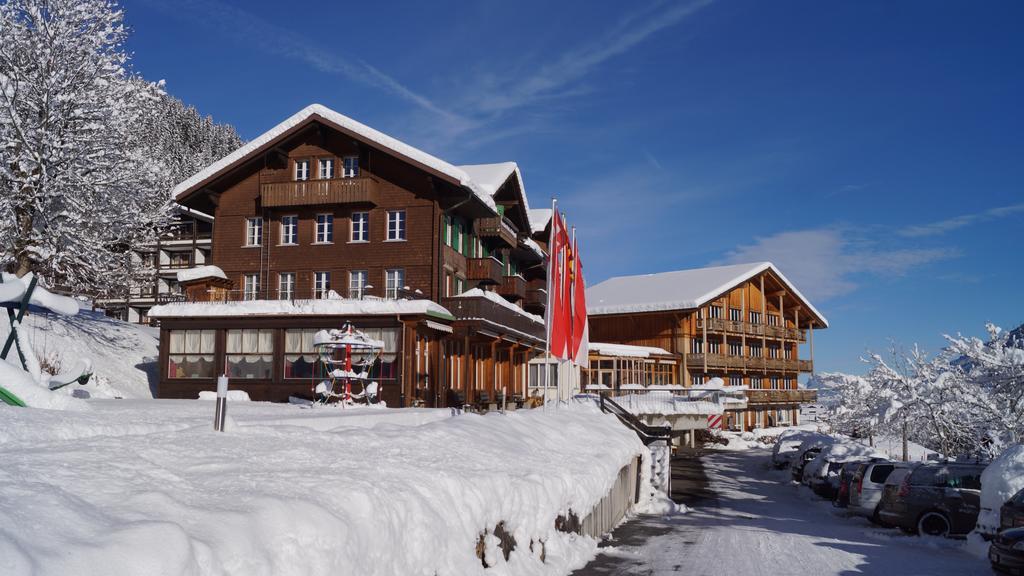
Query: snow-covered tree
993	384
88	150
854	405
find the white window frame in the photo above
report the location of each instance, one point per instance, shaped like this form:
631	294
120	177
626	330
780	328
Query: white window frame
350	167
359	234
301	173
357	280
394	279
285	285
715	312
397	225
250	286
321	284
254	231
735	314
755	317
290	223
323	163
325	229
714	347
776	383
697	379
735	349
755	382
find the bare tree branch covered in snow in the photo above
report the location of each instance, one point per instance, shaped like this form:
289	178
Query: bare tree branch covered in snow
966	400
86	164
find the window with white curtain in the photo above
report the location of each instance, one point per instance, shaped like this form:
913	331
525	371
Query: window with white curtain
254	231
286	285
350	168
250	353
326	168
300	357
302	169
357	284
289	230
250	286
394	279
190	354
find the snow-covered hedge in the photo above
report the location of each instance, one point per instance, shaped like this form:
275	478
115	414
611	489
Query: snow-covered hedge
143	487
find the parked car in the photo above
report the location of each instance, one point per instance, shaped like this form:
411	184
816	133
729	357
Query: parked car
824	481
799	463
1011	515
868	483
1006	553
846	479
935	499
785	451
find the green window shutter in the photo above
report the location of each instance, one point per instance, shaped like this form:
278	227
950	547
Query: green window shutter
501	210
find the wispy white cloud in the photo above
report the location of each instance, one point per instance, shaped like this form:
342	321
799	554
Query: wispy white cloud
556	74
246	28
826	263
485	100
948	225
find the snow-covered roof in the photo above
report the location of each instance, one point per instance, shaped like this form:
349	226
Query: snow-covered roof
339	307
529	243
490	177
498	299
343	122
678	290
626	350
539	218
201	272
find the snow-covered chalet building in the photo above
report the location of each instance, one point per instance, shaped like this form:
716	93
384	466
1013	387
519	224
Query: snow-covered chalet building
742	323
323	220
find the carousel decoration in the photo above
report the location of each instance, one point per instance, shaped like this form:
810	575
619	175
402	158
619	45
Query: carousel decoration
347	356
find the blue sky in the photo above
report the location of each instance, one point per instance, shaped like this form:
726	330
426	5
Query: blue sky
872	150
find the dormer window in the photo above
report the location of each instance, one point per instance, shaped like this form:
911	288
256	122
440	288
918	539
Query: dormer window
350	167
326	168
301	170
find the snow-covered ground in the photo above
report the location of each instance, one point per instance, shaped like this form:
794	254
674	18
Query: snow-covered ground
147	487
761	523
123	355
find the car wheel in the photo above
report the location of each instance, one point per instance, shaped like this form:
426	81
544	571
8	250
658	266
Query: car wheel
933	524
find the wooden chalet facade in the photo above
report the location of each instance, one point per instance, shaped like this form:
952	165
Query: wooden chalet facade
323	220
744	324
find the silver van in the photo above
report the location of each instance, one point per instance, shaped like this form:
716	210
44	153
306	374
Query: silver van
866	486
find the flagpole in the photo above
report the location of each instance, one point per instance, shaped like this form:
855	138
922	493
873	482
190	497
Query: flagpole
547	309
572	309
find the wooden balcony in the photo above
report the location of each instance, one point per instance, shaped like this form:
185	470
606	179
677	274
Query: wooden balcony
760	397
536	295
513	287
484	270
497	227
721	325
487	315
361	190
725	362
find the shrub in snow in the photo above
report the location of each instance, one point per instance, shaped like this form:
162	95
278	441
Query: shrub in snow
1003	478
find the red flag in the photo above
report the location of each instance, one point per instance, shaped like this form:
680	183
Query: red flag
556	318
580	328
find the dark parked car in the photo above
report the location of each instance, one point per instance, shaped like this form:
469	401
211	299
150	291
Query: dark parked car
935	499
801	462
1011	515
1006	553
828	481
850	480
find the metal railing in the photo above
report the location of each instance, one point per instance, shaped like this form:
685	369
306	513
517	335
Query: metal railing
739	327
724	361
648	434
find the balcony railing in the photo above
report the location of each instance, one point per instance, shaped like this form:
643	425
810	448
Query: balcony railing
497	227
313	192
723	361
495	316
536	295
513	287
484	270
720	325
781	396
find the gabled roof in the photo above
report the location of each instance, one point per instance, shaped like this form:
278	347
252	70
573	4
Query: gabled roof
539	218
490	178
345	124
679	290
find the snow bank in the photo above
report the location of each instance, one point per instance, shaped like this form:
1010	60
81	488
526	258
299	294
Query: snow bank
1003	478
147	487
233	395
22	385
123	355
